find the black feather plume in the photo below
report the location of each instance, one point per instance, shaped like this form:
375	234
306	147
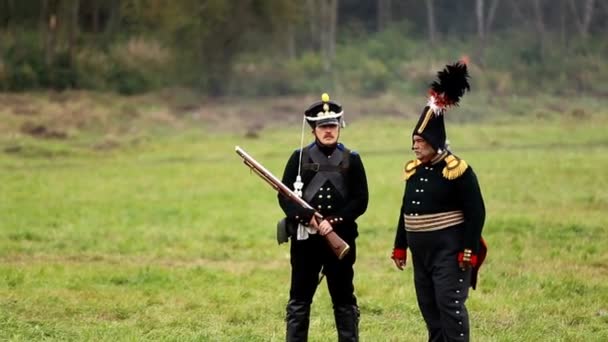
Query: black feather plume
452	83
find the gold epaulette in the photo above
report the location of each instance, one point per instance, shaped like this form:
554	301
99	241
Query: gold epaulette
410	168
454	167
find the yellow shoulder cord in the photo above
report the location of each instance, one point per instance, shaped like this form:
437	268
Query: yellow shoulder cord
410	168
454	167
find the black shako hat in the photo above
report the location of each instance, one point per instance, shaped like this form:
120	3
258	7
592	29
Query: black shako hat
432	131
324	112
443	94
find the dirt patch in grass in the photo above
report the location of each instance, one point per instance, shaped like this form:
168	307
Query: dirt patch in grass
41	131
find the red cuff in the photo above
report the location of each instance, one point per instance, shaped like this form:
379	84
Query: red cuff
399	253
473	258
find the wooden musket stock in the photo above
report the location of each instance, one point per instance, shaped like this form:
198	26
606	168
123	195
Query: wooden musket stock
338	246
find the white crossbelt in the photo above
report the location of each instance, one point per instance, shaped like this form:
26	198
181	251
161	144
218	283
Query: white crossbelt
431	222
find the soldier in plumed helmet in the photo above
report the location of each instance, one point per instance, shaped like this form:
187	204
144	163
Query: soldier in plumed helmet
441	217
332	179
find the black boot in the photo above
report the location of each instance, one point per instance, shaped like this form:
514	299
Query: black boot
347	322
298	316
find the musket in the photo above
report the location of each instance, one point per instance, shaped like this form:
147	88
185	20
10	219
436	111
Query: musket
338	246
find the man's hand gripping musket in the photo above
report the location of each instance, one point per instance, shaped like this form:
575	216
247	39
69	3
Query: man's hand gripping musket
338	246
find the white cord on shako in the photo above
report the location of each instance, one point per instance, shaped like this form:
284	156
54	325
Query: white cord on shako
298	185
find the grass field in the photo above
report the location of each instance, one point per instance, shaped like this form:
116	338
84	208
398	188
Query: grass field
172	238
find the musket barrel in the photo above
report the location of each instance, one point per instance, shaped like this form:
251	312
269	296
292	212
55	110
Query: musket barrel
270	178
339	246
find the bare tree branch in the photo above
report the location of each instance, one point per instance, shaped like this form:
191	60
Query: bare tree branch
384	14
540	20
582	21
515	6
479	14
491	15
605	5
430	14
575	16
72	24
314	22
588	14
333	23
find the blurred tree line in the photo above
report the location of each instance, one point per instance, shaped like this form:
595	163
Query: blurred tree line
270	47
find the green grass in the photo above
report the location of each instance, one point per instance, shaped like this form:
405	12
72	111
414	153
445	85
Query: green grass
172	238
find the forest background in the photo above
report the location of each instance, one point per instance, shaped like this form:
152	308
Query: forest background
280	47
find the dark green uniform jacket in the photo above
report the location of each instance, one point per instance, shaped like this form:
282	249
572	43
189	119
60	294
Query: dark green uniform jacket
437	188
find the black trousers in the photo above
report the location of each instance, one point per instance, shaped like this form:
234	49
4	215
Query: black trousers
308	258
442	287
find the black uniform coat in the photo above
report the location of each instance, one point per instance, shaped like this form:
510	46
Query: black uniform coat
427	191
328	200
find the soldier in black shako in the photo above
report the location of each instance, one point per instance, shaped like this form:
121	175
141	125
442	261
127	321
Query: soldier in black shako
331	178
441	217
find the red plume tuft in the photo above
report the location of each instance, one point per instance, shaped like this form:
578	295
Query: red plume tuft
450	88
